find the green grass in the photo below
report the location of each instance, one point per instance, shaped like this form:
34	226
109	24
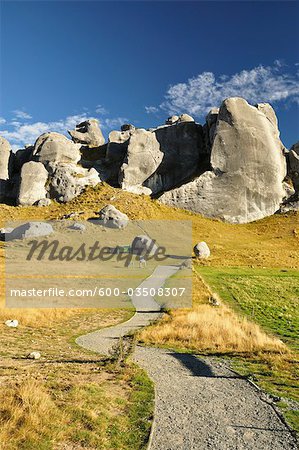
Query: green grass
270	297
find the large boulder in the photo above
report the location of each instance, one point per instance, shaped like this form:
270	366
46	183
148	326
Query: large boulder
56	148
33	181
201	250
248	168
144	246
88	133
30	230
112	217
142	160
5	154
67	181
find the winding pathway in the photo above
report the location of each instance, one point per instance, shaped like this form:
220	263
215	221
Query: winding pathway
200	403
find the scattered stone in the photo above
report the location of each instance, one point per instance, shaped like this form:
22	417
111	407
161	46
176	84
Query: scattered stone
201	250
215	299
56	148
143	245
34	355
30	230
112	217
33	181
77	227
12	323
88	133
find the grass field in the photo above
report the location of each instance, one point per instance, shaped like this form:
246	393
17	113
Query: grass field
254	270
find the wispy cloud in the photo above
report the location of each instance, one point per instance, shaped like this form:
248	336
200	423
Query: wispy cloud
151	109
260	84
101	110
19	114
20	133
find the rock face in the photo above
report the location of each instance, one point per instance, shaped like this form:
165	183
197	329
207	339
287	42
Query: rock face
201	250
56	148
142	160
67	181
293	166
88	133
112	217
33	180
248	168
5	153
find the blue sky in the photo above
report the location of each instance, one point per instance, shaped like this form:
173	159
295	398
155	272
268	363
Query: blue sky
141	61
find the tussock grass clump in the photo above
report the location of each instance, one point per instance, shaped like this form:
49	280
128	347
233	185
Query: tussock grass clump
213	329
28	415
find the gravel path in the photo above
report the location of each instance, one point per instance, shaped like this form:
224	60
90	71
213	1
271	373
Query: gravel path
200	403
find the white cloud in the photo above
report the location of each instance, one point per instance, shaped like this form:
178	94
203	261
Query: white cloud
260	84
19	133
19	114
2	121
101	110
151	109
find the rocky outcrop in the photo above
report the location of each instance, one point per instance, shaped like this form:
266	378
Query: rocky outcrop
248	168
88	133
293	166
56	148
5	154
67	181
33	181
142	159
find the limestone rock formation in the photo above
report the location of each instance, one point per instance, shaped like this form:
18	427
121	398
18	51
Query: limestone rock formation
33	181
56	148
142	160
67	181
5	154
248	168
293	165
88	133
112	217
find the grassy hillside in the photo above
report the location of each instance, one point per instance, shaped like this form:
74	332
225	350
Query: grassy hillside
254	269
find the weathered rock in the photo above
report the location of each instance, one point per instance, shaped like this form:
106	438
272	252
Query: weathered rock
56	148
293	165
201	250
34	355
248	164
142	160
185	118
12	323
88	133
144	246
5	154
184	156
43	202
172	120
77	227
67	181
127	127
33	180
115	155
112	217
30	230
22	156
